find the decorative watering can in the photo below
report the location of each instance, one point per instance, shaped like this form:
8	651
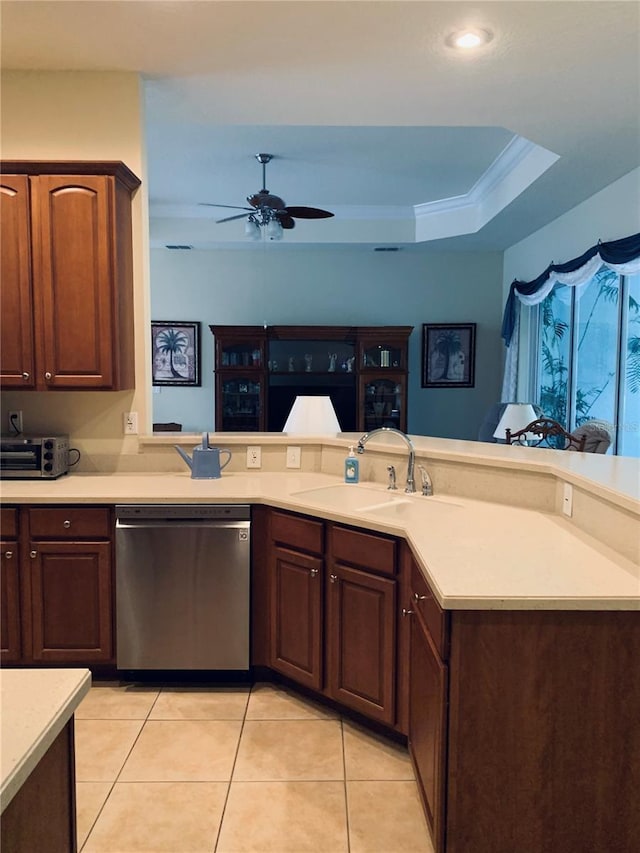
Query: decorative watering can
205	462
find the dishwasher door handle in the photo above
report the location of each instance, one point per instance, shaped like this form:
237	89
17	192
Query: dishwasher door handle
173	523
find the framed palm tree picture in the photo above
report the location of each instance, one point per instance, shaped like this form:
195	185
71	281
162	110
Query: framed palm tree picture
175	353
448	355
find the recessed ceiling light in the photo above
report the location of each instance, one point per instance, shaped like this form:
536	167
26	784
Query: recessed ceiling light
468	39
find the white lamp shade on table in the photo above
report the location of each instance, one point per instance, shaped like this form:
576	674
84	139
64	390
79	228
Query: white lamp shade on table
515	417
312	416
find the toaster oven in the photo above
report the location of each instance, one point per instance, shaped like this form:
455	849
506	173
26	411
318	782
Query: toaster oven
31	457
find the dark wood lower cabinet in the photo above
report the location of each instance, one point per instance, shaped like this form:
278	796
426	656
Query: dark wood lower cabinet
296	616
42	815
57	586
70	602
10	625
428	694
361	642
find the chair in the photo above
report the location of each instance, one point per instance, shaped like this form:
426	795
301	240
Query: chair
598	436
168	427
491	421
548	433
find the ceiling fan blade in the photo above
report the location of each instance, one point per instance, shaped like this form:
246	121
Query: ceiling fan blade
308	212
231	218
284	219
230	206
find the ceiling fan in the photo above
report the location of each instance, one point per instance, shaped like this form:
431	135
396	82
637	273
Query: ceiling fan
269	210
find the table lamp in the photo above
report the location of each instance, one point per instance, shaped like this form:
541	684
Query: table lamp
515	417
312	416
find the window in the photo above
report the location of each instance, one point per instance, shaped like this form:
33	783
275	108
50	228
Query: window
588	356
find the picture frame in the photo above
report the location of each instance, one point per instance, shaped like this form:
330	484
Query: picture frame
175	353
448	355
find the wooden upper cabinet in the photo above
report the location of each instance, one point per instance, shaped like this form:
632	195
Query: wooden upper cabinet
74	244
17	365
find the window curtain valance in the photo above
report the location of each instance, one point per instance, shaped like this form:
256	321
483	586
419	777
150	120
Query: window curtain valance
622	256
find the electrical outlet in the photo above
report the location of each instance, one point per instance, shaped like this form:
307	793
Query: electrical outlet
15	423
254	457
293	457
567	499
130	423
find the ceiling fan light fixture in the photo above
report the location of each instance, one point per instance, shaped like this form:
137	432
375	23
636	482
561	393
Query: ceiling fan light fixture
252	229
274	229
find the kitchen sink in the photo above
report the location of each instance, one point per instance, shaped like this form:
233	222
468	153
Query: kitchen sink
414	508
350	496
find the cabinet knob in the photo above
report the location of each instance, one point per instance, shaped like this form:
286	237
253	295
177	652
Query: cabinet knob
66	524
33	554
47	375
333	578
26	375
8	555
417	597
406	612
313	572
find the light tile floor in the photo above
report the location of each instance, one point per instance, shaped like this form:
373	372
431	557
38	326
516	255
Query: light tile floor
237	770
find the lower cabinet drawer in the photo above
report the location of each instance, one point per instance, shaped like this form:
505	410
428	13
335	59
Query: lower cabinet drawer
304	534
8	523
367	550
70	523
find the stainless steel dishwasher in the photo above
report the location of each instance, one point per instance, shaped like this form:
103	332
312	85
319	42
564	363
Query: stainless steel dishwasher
183	586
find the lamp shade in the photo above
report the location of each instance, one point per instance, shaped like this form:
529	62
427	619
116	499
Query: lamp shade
515	417
312	416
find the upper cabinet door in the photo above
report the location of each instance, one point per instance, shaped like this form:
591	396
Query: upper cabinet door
73	236
16	342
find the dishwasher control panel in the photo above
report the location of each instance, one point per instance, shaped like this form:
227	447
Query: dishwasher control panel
176	512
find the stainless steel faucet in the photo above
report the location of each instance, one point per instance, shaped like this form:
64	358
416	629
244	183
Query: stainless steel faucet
427	485
410	486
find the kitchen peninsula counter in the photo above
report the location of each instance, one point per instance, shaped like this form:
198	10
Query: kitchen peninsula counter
475	554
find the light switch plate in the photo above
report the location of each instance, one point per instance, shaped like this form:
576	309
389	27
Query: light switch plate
567	499
293	457
254	457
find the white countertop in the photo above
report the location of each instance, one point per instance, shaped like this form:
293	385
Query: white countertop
36	705
475	554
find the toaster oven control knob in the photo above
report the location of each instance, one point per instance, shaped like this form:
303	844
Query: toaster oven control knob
48	445
48	455
48	466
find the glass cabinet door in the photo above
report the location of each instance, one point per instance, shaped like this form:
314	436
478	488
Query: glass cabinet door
240	403
382	402
241	354
383	355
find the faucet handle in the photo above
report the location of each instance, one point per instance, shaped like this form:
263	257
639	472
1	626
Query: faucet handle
392	478
427	485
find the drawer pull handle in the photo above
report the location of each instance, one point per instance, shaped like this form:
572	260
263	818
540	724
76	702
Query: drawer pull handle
313	572
66	524
417	597
25	375
333	578
8	555
406	612
47	375
33	554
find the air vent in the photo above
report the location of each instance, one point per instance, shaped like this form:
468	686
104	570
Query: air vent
386	249
179	247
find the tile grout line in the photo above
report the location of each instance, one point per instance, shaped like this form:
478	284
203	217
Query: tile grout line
346	796
113	784
233	767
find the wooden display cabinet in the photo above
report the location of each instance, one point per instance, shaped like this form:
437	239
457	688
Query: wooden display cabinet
260	370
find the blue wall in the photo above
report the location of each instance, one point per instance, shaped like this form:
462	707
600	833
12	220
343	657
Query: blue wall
345	286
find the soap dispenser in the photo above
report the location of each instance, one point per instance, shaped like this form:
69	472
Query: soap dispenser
351	466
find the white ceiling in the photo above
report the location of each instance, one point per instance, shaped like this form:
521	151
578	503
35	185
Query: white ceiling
367	110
